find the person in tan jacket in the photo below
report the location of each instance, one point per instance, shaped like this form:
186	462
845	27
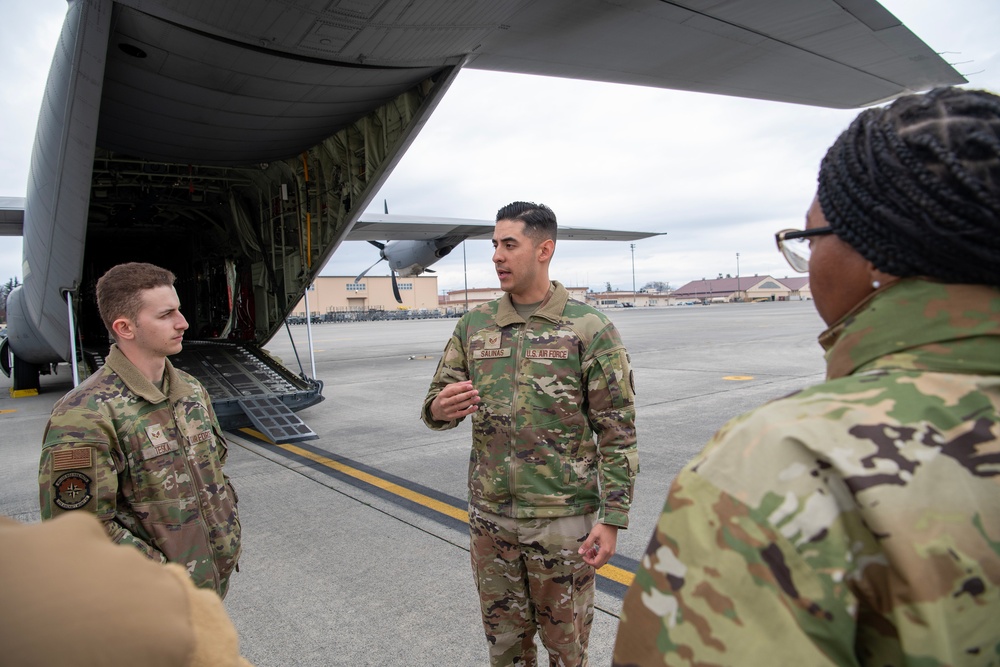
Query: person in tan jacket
72	597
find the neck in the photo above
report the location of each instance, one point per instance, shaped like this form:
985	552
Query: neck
152	368
534	294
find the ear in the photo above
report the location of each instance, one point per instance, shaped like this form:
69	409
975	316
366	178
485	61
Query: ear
545	250
123	328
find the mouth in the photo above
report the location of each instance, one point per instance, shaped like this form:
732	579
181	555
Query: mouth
502	273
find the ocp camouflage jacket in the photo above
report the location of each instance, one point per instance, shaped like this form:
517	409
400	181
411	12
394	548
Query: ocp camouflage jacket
546	385
148	465
854	523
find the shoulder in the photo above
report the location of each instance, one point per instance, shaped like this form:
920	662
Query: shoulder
593	327
578	309
480	317
814	438
93	394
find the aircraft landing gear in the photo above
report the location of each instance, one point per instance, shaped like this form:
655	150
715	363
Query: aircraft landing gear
25	375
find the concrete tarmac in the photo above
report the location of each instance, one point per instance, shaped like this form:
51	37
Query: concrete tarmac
354	549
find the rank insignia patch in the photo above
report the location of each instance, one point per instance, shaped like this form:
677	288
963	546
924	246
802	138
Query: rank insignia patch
72	490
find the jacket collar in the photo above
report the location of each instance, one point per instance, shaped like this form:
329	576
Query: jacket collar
918	324
551	308
137	382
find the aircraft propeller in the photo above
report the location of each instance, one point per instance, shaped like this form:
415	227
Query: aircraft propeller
381	252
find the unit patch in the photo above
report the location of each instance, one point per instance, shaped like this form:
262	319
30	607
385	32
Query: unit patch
72	491
542	353
72	459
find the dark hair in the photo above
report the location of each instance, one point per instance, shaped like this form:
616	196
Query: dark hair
119	290
914	187
539	220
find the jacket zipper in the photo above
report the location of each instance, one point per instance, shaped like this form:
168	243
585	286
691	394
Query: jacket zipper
198	493
516	364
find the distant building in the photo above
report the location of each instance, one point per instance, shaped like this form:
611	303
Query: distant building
725	290
455	300
799	286
629	299
340	293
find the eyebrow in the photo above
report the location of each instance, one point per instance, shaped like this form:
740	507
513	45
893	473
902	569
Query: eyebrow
505	239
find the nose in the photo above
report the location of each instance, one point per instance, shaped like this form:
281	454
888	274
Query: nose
496	255
182	323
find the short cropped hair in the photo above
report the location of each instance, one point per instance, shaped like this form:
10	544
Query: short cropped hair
119	290
539	220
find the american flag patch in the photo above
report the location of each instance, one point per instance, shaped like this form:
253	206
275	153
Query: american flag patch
73	459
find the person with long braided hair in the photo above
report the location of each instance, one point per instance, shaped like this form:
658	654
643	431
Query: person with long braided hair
857	522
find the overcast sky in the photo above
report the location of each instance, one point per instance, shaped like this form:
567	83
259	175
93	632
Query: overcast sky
719	175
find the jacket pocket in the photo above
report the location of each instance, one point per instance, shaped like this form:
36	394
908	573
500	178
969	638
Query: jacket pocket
175	529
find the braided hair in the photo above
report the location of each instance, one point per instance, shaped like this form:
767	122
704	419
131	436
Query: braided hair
914	187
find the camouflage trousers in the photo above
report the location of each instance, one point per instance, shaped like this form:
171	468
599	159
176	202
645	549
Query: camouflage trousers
530	577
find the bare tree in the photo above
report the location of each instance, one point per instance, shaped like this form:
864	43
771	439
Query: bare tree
5	291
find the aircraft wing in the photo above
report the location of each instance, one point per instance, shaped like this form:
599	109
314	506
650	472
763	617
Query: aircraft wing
11	216
391	227
834	53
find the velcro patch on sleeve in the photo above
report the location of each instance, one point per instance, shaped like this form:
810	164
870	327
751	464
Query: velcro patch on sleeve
73	459
71	491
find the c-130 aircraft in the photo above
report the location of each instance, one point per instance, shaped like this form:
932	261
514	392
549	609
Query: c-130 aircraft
237	142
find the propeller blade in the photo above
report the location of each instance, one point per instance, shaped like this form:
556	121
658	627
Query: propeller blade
385	206
362	274
395	289
380	246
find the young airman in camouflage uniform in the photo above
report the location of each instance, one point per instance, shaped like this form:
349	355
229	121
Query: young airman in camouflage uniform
546	500
146	458
858	522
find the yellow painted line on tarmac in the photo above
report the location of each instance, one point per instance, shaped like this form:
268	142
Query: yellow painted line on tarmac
380	483
608	571
738	377
613	573
3	412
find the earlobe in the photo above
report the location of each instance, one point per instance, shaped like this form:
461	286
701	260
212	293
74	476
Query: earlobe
880	279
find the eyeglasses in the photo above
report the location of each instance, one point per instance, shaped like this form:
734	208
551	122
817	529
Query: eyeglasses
794	245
